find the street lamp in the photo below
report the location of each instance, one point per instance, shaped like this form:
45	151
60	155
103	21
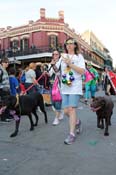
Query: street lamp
14	50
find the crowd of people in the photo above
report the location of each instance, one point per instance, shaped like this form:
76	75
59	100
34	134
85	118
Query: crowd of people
72	72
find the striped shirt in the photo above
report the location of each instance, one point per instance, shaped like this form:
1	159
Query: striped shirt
5	85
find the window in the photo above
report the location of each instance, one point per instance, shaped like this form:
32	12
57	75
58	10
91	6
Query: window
24	44
53	41
14	43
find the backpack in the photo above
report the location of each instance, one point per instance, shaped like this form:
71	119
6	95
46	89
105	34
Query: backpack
1	75
22	78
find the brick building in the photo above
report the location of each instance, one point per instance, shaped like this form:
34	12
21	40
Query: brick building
36	40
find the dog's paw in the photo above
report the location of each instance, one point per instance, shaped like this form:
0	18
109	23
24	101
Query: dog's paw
46	121
35	124
98	126
102	127
106	134
31	129
13	134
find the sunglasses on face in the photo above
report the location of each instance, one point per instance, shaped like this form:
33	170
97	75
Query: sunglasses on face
69	42
6	62
55	54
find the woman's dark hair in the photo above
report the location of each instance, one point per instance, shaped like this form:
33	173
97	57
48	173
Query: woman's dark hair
108	68
56	50
4	60
76	50
12	71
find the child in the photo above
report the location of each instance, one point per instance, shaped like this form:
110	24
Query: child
14	84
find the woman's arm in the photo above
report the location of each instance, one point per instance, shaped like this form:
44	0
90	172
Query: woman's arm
56	65
73	66
34	80
76	68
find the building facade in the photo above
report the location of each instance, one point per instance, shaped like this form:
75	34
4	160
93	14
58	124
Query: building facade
37	39
100	53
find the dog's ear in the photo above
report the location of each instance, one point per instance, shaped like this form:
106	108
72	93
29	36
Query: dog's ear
3	102
11	101
103	102
100	100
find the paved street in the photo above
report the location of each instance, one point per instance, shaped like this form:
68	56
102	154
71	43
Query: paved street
42	152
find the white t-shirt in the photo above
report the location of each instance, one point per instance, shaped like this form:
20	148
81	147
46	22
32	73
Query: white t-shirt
76	85
29	75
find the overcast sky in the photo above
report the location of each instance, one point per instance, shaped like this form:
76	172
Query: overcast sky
96	15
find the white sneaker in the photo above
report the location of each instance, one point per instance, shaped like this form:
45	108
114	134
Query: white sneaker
39	110
61	117
53	108
56	121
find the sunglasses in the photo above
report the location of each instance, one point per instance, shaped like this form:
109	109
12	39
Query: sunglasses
6	62
69	42
55	54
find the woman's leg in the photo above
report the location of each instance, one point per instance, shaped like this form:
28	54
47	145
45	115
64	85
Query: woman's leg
87	91
70	111
108	89
57	106
72	119
93	90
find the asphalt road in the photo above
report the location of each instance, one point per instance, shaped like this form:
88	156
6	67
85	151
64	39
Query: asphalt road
43	152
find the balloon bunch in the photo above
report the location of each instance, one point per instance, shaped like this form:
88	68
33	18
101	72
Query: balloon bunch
69	80
68	73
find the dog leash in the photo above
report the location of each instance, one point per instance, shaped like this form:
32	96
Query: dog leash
17	100
26	90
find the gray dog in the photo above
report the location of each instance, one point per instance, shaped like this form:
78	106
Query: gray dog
103	106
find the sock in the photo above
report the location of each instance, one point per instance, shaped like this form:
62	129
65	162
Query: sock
16	117
71	133
77	122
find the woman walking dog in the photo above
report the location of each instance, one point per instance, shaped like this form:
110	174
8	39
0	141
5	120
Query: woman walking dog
72	67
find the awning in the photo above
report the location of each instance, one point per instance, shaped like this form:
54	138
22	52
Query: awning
26	57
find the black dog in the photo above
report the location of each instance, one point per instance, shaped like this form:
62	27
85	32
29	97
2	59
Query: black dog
25	105
103	106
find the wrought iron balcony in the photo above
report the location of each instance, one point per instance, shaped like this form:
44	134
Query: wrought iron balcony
28	51
88	58
98	52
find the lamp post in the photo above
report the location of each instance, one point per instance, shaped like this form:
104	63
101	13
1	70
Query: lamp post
14	50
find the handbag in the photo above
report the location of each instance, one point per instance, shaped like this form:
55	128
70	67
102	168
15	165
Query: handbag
93	76
56	95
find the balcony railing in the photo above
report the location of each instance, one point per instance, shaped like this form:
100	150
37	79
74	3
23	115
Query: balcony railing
101	54
88	58
29	51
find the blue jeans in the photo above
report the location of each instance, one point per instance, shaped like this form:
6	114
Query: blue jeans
90	90
57	105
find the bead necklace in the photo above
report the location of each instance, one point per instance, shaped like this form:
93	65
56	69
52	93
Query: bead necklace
65	80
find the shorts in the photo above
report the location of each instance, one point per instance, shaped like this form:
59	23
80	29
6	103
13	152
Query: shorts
70	100
57	105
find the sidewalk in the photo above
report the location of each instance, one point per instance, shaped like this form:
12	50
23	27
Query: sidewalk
43	152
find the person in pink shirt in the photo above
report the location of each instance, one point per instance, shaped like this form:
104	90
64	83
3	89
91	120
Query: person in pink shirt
90	78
